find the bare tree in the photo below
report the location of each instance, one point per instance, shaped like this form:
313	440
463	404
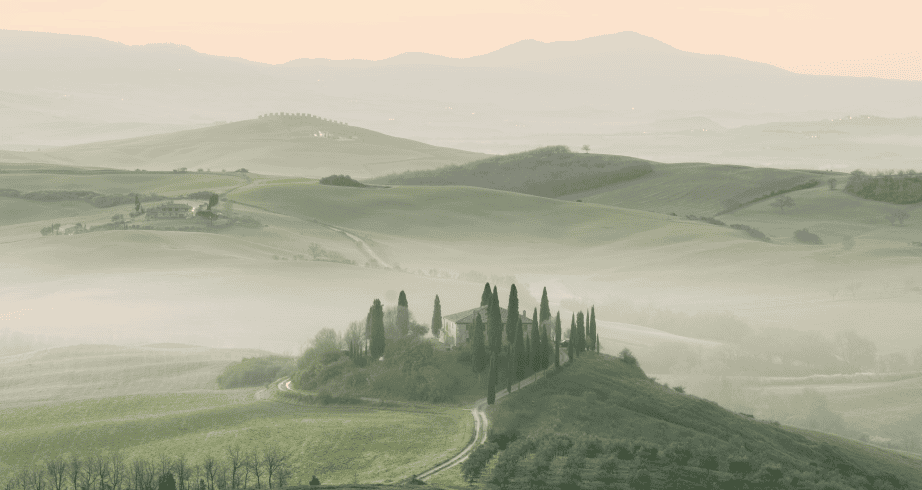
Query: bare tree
74	469
57	473
274	458
585	148
210	467
37	477
236	460
88	475
254	462
117	465
182	470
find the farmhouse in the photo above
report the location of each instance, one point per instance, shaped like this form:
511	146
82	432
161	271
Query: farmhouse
169	210
458	325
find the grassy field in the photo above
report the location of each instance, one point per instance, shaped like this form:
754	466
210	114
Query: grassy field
163	399
285	145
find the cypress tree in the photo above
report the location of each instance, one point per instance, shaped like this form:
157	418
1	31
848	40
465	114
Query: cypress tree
478	346
511	366
137	203
377	329
521	350
529	346
512	315
535	349
491	380
403	315
545	308
598	345
557	333
487	294
369	329
580	334
436	318
495	325
592	333
546	349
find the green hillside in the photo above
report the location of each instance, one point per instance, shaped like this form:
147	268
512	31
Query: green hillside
285	145
551	171
604	404
701	189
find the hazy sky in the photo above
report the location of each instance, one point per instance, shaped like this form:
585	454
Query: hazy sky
879	38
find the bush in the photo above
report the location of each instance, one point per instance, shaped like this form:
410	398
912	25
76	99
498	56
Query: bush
341	180
627	357
804	236
255	371
473	466
754	233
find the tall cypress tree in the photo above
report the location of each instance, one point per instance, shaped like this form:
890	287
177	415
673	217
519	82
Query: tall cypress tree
557	334
403	315
511	366
512	315
521	350
535	347
495	325
529	345
592	333
546	349
487	294
571	344
491	380
377	329
436	327
598	345
580	334
545	308
479	358
369	329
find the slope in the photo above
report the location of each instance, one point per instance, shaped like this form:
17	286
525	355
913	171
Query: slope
302	145
603	397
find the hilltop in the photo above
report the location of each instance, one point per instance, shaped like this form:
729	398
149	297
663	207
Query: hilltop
548	172
289	144
620	421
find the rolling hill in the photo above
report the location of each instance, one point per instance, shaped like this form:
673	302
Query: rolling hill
302	145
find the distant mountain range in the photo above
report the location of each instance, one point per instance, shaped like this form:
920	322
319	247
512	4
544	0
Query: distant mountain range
594	85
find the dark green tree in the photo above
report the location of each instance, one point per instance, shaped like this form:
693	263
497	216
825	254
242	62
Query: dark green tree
377	329
512	316
598	345
436	318
535	348
487	294
592	335
511	365
137	203
580	334
369	329
491	380
403	315
546	349
571	348
166	482
545	308
529	352
521	351
479	355
495	324
212	201
557	334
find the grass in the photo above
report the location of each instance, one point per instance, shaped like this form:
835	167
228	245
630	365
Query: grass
336	443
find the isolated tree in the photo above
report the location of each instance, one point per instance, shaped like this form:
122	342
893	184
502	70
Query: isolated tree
495	324
137	204
585	148
487	294
377	329
436	326
782	202
535	347
403	315
512	316
557	334
479	357
591	334
212	201
491	380
832	183
580	334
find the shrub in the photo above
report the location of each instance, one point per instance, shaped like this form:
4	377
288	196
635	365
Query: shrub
473	466
754	233
627	357
255	371
804	236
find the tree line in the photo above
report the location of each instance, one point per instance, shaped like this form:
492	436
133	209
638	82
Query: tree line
903	187
237	468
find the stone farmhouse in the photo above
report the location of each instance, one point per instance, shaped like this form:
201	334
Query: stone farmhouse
170	210
458	325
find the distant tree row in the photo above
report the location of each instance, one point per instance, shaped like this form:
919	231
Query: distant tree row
903	187
237	468
341	180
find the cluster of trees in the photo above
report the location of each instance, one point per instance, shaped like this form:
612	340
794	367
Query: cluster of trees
903	187
237	468
754	233
93	198
781	203
341	180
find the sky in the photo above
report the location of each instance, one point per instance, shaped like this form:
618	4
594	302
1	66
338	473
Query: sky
835	37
